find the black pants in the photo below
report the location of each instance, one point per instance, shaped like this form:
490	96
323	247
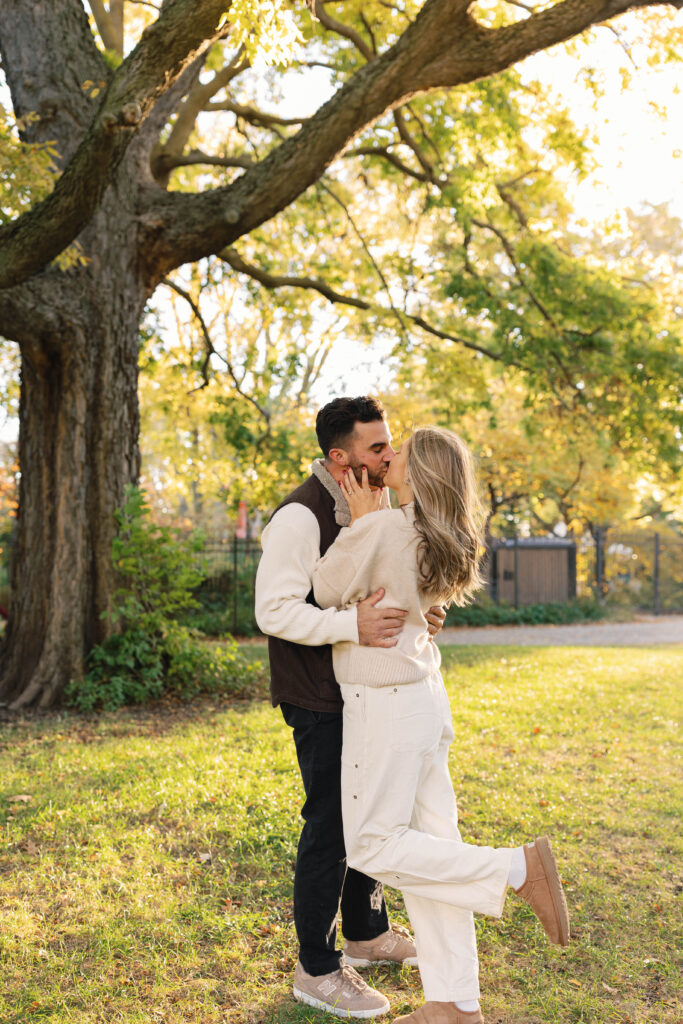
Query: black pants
321	879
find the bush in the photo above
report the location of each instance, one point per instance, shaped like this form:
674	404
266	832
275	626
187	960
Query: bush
214	613
152	654
486	613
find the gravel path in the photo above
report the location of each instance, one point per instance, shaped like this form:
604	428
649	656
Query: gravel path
643	631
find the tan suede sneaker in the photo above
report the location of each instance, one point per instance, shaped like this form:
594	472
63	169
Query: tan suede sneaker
542	890
343	993
393	947
440	1013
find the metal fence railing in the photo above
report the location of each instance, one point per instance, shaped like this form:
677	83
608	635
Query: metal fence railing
641	570
637	570
230	566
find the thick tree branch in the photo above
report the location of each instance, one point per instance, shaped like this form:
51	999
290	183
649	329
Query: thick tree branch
28	313
164	51
53	92
557	24
146	144
442	47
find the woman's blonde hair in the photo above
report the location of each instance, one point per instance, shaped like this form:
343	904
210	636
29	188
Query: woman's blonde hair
448	514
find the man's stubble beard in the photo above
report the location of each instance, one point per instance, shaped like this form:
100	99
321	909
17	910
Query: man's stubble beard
374	479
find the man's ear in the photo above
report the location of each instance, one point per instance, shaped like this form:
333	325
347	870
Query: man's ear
339	456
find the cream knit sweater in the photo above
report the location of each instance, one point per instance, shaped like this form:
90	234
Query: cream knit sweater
379	550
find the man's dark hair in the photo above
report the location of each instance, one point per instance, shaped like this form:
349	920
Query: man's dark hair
335	422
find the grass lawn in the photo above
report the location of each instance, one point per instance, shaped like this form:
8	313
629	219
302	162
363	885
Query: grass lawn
146	856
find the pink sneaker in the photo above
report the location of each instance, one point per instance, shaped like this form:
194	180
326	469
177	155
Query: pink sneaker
393	947
343	993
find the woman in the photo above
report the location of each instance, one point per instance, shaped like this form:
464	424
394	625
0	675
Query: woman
400	816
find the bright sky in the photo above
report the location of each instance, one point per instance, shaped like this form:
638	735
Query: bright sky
640	153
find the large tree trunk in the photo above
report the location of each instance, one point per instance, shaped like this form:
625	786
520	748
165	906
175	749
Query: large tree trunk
78	334
78	448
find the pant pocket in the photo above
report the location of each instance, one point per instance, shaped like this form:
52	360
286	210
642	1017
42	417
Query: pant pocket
414	717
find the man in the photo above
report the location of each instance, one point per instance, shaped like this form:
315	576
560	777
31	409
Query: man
352	433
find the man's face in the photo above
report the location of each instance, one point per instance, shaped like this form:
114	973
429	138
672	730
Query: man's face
370	446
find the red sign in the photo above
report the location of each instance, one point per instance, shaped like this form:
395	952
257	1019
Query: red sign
241	528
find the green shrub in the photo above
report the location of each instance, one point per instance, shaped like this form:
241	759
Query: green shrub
150	653
486	613
214	614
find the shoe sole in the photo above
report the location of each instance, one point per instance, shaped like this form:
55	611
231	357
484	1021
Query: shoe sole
545	852
354	961
338	1011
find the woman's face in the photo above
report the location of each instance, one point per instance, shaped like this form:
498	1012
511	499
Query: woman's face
398	468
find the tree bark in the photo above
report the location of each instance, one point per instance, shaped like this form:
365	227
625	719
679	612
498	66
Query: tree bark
78	332
78	448
183	30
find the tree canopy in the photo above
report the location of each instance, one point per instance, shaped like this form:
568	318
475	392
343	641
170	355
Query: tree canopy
391	55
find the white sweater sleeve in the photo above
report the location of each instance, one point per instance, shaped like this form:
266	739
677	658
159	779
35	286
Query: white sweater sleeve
343	575
291	548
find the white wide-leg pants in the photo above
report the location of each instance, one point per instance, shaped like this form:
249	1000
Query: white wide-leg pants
401	827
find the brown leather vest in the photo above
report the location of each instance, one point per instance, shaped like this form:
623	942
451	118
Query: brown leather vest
303	675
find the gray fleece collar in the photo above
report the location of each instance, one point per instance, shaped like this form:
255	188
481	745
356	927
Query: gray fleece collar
342	516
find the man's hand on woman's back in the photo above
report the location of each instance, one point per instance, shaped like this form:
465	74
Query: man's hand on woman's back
379	627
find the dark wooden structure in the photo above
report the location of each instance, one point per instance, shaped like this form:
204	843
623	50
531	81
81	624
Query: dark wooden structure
533	570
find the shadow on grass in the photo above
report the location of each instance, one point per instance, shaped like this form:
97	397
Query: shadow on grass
157	718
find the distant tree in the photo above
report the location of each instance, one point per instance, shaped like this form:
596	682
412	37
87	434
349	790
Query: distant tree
240	431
